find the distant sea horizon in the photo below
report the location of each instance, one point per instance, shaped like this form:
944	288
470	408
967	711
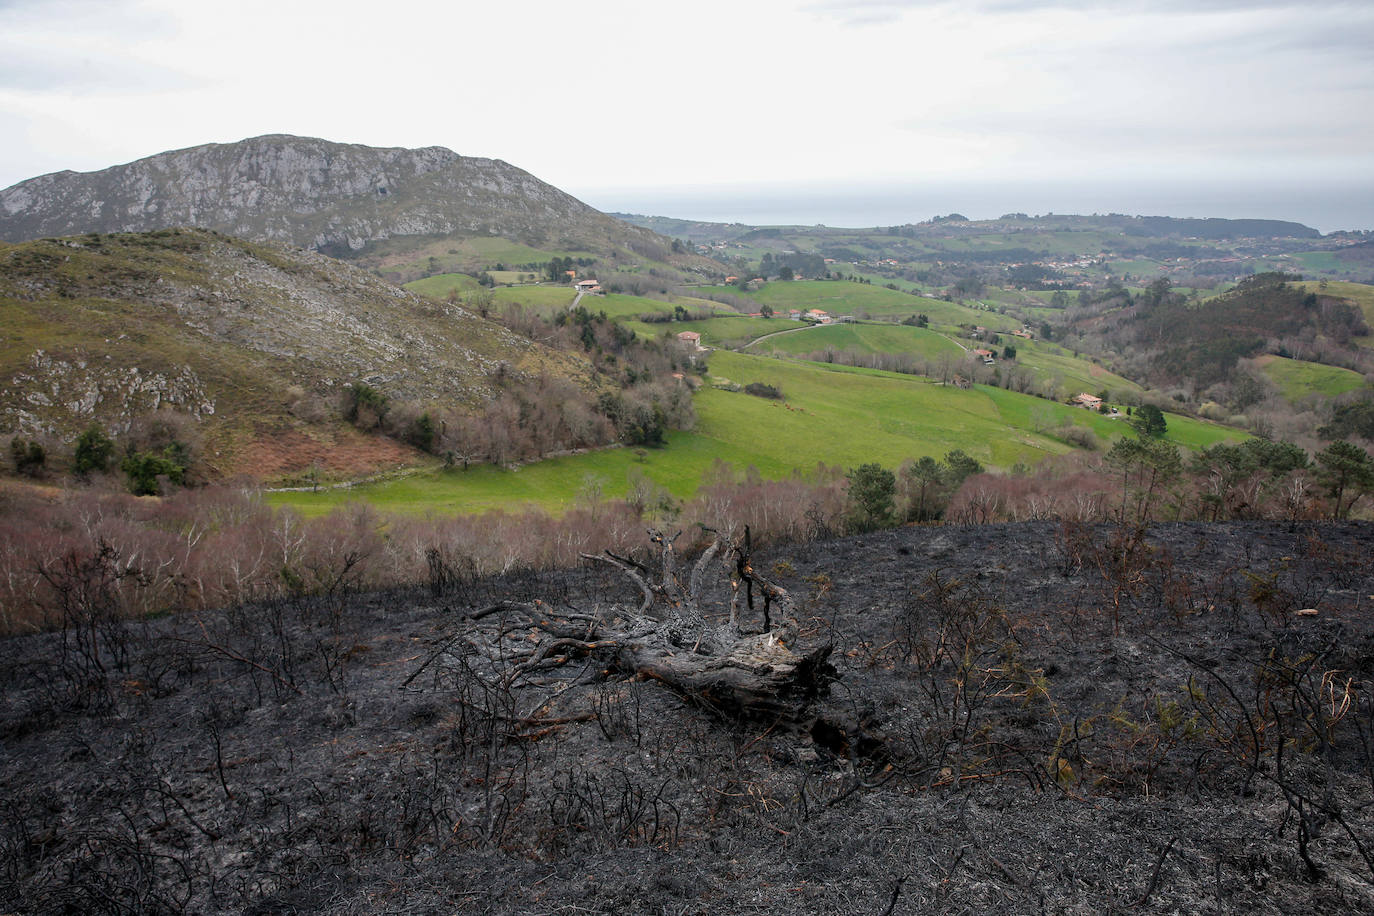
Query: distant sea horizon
1327	208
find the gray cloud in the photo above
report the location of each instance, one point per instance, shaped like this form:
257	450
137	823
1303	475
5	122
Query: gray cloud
106	19
1318	134
93	54
891	8
28	70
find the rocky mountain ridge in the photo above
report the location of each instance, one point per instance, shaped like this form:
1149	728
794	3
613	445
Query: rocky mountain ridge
307	192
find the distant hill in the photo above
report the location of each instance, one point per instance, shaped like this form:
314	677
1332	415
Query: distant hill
253	342
335	198
1186	227
1151	226
1166	338
688	229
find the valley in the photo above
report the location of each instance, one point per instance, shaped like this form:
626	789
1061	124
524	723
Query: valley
491	459
1034	534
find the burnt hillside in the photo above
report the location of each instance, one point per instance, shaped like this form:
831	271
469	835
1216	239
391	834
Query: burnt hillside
1024	718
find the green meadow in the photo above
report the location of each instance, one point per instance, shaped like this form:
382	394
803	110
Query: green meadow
862	338
440	286
1319	261
1050	361
621	306
841	297
1047	362
733	331
552	485
831	414
543	299
1297	379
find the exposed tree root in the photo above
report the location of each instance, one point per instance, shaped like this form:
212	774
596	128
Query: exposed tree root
667	638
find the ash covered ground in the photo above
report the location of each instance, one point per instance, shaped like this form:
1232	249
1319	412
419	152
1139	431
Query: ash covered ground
1026	718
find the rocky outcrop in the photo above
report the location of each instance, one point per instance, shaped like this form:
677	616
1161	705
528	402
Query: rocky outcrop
111	328
54	393
332	197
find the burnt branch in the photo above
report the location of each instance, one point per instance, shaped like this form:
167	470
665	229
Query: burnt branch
669	638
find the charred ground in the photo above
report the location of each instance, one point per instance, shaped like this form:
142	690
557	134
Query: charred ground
1025	718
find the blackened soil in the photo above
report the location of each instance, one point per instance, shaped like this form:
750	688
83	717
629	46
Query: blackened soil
1028	718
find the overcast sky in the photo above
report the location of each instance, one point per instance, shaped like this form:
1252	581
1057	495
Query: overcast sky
637	101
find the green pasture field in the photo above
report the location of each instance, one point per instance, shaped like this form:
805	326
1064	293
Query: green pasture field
950	316
453	254
1040	298
831	414
440	285
1297	379
621	306
840	297
551	485
545	300
1047	361
514	277
878	279
1050	360
1318	261
862	338
1141	267
841	414
727	331
1038	313
503	251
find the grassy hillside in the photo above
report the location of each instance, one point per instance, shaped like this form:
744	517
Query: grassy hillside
254	344
862	338
1050	361
829	414
441	286
1298	379
542	299
731	331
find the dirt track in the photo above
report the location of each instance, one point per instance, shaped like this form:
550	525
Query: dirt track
1047	719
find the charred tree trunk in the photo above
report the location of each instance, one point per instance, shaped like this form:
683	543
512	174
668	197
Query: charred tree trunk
667	638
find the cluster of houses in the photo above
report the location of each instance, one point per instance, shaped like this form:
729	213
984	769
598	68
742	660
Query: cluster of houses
819	316
1094	403
979	332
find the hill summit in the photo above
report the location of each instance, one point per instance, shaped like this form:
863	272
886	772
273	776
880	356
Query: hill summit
312	193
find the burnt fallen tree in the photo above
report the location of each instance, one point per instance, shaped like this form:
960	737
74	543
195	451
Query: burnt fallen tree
715	660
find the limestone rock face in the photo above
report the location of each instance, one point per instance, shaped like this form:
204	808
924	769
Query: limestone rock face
332	197
111	328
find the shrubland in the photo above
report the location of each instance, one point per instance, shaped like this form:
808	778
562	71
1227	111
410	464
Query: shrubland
219	545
